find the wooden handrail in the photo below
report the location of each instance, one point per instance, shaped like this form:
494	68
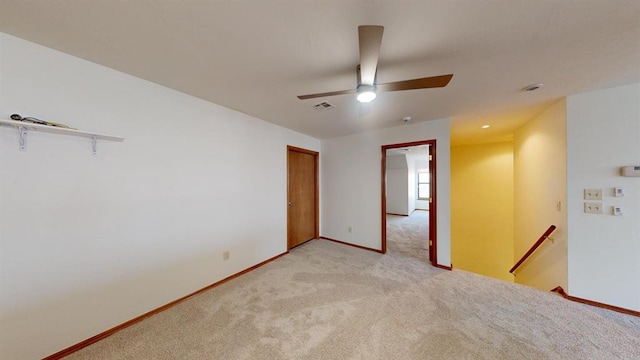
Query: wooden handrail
542	238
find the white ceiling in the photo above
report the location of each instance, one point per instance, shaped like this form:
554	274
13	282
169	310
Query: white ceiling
417	151
255	56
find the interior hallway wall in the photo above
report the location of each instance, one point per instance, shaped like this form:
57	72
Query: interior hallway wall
87	243
351	177
603	134
540	183
412	185
482	209
397	185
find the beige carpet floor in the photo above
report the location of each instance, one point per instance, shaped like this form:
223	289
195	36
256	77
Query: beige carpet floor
326	300
409	235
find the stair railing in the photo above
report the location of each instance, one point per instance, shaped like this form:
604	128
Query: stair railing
533	248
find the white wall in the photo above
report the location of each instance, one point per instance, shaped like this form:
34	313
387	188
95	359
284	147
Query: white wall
88	243
351	173
603	134
411	186
397	185
539	170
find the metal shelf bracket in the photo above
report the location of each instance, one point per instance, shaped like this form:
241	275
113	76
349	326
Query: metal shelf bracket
94	145
23	138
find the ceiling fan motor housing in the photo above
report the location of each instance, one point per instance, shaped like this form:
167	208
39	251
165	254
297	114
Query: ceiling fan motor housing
366	92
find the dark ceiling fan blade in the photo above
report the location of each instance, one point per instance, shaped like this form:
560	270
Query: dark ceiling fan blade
332	93
370	37
422	83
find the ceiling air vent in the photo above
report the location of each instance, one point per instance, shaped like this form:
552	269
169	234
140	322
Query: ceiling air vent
325	105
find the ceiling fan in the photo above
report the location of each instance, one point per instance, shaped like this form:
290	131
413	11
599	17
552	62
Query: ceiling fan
370	38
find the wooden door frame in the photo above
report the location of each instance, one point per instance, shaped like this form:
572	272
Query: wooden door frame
433	206
316	196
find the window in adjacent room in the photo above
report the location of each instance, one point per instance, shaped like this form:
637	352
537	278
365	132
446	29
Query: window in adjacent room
424	184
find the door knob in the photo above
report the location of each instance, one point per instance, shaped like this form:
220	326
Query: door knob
290	204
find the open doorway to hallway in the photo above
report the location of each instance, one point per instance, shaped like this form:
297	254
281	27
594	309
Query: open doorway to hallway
408	199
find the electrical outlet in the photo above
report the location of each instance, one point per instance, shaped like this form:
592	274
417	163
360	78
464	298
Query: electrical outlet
593	194
226	255
593	208
616	210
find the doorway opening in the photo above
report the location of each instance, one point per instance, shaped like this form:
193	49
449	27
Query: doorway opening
408	186
303	204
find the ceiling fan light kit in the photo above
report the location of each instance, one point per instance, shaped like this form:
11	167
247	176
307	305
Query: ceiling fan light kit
366	93
370	40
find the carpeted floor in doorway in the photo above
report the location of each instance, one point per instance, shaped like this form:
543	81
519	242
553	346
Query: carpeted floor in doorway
409	235
330	301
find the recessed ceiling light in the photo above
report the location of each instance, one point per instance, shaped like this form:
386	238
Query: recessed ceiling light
485	126
532	87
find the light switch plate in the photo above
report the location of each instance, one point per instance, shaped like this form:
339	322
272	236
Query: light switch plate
593	194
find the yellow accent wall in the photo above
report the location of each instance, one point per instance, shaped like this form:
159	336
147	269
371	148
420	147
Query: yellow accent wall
540	182
482	209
